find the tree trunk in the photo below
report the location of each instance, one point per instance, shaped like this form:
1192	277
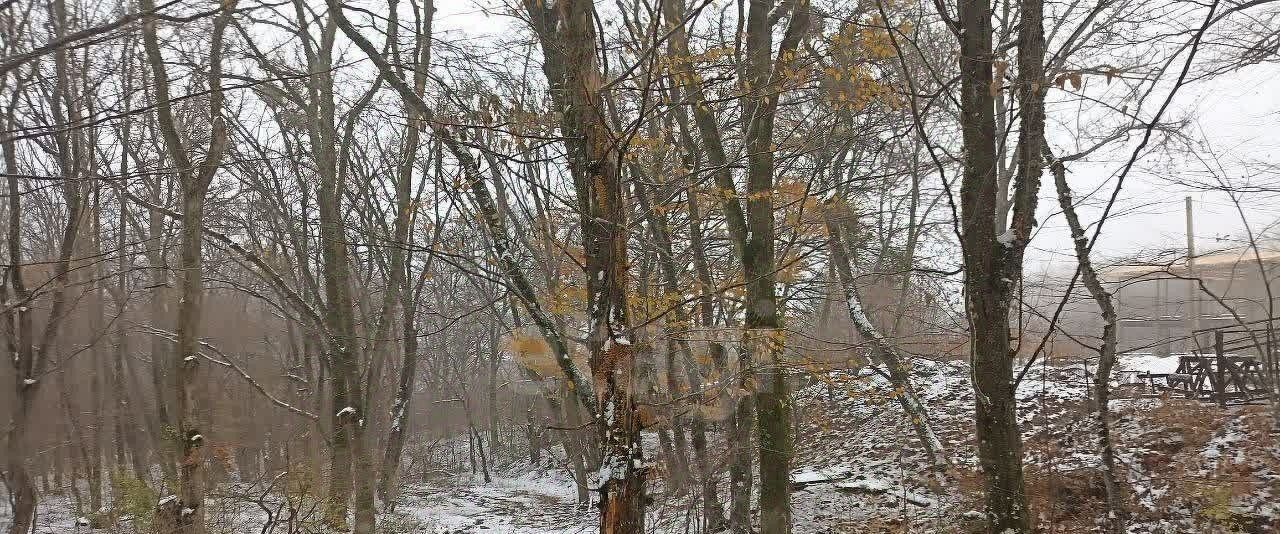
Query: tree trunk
534	437
741	460
401	263
993	265
680	444
1115	519
568	38
193	417
712	512
764	336
161	375
388	477
494	360
22	490
18	336
883	352
97	328
193	406
473	435
129	432
30	355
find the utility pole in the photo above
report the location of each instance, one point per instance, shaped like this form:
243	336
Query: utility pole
1119	300
1193	300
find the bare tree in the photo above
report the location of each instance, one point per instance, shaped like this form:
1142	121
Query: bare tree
187	514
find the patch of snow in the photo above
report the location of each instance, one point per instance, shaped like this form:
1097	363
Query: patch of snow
872	485
1145	362
821	474
1006	238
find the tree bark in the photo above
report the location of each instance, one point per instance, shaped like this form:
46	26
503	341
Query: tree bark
764	336
193	417
18	332
567	34
350	452
992	253
1115	519
129	430
883	352
31	354
388	476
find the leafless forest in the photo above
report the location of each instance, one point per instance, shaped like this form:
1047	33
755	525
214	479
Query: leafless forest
668	266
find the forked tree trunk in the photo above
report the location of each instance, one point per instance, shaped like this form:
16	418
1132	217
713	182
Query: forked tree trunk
993	254
350	452
192	395
764	335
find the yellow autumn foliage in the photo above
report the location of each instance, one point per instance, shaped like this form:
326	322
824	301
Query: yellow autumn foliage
530	350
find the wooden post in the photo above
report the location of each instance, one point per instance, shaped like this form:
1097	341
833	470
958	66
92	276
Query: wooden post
1219	386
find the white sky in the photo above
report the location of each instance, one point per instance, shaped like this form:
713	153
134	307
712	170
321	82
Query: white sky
1239	113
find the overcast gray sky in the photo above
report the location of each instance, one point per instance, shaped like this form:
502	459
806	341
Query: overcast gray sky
1238	113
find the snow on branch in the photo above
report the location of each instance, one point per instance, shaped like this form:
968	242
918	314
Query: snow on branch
228	363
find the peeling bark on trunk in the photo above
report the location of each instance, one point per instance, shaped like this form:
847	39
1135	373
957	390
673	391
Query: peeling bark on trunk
567	34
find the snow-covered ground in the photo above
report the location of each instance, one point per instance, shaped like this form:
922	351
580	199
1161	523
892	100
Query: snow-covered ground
530	502
1191	467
